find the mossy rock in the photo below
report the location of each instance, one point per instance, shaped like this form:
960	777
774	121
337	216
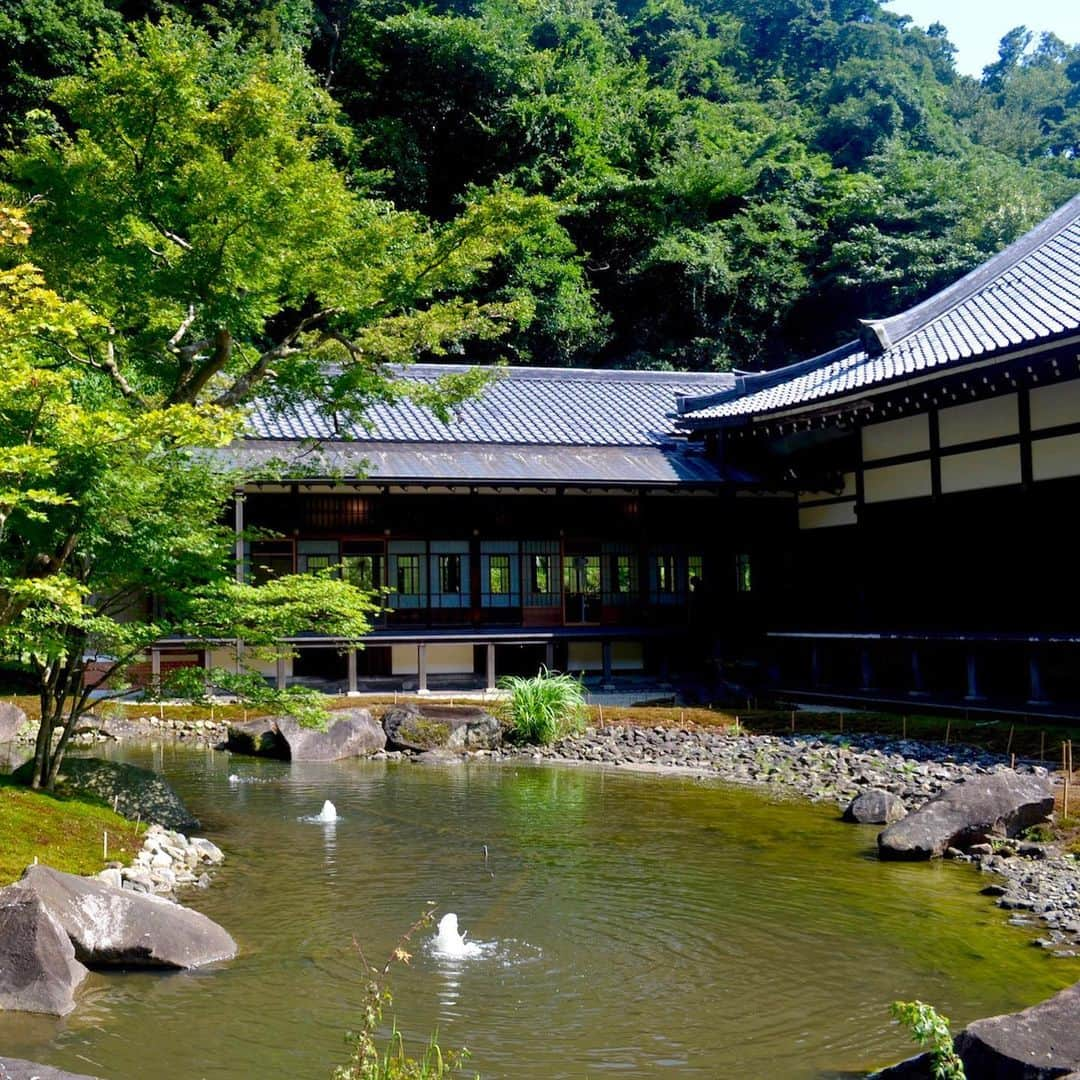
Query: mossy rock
440	727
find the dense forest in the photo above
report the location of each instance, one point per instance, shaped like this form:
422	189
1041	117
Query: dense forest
700	183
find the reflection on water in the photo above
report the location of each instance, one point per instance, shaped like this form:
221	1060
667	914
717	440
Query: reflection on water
638	925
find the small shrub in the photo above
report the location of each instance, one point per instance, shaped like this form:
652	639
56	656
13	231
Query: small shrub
931	1031
546	707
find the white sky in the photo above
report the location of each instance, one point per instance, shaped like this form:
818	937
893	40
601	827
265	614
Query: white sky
976	26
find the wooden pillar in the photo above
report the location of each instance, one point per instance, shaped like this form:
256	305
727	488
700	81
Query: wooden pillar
490	667
918	681
280	673
1036	694
549	655
815	664
155	669
605	662
421	669
973	693
866	668
353	691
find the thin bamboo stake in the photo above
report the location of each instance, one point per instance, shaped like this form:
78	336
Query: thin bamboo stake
1014	762
105	846
1008	746
948	730
904	727
792	719
601	708
1065	795
1042	745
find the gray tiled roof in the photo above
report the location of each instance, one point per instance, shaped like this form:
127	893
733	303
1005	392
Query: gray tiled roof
525	406
450	463
1027	294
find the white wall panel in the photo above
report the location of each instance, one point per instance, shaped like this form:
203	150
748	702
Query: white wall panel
897	482
977	420
908	435
981	469
1054	458
441	659
824	517
1054	405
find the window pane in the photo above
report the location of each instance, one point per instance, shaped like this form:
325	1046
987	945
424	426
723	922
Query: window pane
624	573
541	573
665	573
363	571
408	575
743	575
695	570
450	573
498	574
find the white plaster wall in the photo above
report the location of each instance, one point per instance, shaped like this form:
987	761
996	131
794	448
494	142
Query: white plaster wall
981	469
897	482
1054	405
908	435
979	420
441	659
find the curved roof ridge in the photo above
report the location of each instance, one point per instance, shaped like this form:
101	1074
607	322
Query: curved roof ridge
881	334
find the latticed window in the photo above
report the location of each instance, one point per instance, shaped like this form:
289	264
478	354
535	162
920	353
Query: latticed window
695	572
624	576
666	574
408	575
540	573
499	575
450	573
744	578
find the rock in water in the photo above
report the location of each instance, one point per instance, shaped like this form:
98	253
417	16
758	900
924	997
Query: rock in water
14	1069
121	928
1035	1044
1000	804
349	733
38	969
445	727
12	719
875	807
258	737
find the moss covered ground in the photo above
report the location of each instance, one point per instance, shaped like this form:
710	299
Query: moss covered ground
67	833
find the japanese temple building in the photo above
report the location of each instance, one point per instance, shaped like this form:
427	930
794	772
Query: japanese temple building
890	520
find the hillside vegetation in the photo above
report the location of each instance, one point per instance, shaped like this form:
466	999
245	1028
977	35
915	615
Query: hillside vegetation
736	180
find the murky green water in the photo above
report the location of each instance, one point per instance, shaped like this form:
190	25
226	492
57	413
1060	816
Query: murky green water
641	927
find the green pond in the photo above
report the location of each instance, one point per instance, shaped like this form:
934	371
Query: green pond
634	926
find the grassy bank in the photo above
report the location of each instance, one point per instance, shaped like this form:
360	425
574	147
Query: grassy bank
66	833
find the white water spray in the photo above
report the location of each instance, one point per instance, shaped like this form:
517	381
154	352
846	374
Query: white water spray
327	814
450	943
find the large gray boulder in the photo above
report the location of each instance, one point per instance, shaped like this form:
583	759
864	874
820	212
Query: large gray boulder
16	1069
112	927
982	807
1040	1043
440	727
875	807
38	969
12	720
348	733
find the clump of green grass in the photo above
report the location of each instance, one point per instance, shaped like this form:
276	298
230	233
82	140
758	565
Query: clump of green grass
65	833
546	707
